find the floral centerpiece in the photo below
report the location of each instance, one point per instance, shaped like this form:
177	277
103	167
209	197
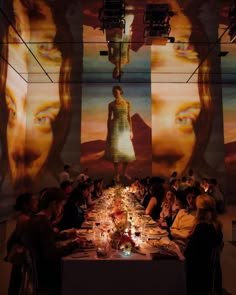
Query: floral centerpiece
121	238
119	218
126	244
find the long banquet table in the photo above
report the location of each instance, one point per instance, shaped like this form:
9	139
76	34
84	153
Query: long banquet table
136	274
84	273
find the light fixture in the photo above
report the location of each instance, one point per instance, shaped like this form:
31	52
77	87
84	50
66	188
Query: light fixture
157	16
112	15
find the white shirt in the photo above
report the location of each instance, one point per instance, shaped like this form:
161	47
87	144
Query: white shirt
64	175
183	224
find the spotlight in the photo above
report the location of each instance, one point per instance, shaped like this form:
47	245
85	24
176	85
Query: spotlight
157	16
112	14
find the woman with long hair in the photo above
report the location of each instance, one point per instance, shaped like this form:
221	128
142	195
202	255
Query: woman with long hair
183	113
34	119
205	238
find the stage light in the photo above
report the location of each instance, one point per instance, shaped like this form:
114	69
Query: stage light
112	15
157	16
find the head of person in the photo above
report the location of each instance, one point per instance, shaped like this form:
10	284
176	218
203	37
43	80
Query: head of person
182	113
175	183
174	174
191	193
66	186
67	168
204	184
117	90
180	200
157	188
36	116
53	201
170	195
98	183
26	203
84	189
206	209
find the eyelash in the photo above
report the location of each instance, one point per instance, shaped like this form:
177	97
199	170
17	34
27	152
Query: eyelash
44	119
186	118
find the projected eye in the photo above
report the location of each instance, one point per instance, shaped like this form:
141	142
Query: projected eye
186	119
49	51
45	118
186	50
11	109
42	120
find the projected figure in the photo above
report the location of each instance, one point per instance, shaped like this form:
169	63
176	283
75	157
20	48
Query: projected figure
119	46
35	117
182	113
119	147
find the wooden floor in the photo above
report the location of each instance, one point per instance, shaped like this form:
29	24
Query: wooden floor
228	258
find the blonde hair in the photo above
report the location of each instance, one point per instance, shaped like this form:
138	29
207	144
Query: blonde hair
206	211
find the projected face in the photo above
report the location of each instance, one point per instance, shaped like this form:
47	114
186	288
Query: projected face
175	106
32	109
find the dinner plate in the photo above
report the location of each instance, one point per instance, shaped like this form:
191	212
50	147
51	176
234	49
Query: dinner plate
151	222
156	231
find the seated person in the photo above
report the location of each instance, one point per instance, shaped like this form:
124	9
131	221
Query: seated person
40	238
88	197
205	238
157	194
73	214
185	218
147	194
167	208
26	205
98	189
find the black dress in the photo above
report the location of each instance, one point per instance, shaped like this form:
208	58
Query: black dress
202	244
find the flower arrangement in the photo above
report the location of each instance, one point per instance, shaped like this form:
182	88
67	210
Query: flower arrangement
119	219
126	244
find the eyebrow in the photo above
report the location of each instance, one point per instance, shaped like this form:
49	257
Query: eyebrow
48	106
186	106
8	92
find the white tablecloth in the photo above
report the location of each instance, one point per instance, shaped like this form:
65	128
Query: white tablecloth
133	275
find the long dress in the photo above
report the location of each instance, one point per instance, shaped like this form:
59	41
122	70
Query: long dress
119	146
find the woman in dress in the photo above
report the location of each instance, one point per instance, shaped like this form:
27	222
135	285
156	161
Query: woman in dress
119	147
